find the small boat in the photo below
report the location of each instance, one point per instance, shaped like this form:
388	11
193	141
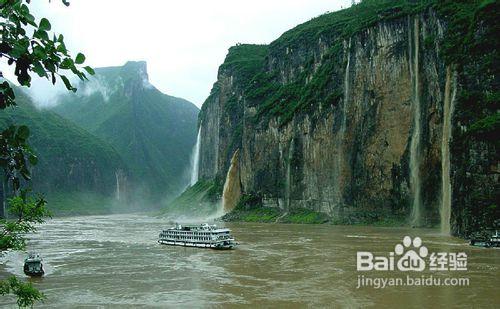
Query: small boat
484	240
495	240
33	265
201	236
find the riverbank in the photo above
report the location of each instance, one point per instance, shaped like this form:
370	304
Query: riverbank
249	213
274	215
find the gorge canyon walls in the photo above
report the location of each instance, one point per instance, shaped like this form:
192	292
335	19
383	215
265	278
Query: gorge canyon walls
358	128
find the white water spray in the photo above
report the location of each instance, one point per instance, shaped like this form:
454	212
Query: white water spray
449	98
416	214
195	160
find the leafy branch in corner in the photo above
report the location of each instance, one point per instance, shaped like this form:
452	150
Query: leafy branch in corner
28	47
26	294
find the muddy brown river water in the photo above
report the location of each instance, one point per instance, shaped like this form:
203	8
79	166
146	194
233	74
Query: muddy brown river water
115	261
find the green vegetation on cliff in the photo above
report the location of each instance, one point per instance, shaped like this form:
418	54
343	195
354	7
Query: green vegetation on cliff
244	61
345	23
250	209
70	159
201	199
302	73
274	97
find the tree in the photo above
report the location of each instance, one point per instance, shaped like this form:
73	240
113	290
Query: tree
27	212
30	48
26	294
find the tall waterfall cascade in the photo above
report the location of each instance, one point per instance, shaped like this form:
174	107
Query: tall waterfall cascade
288	179
195	160
232	187
449	99
121	185
416	213
3	200
343	127
117	189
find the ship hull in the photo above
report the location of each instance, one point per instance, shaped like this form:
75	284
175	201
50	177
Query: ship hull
216	246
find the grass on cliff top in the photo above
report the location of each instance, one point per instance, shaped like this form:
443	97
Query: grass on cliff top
284	101
347	22
244	61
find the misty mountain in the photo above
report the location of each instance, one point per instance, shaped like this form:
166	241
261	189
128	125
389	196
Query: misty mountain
74	167
153	132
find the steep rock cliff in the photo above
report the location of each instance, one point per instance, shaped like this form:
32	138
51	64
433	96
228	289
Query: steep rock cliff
344	115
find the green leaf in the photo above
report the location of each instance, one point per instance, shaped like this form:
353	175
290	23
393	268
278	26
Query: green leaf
89	70
38	68
41	34
44	24
67	83
40	52
23	132
62	48
67	63
80	58
25	173
30	19
33	159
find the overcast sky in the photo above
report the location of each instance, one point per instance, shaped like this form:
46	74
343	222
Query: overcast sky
183	41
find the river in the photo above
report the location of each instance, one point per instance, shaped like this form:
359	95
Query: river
115	261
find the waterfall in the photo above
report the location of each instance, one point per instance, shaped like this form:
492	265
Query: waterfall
449	98
117	190
195	159
121	184
232	187
415	138
343	126
3	197
288	179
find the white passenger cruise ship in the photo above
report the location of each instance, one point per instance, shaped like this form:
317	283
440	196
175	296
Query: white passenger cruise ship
203	236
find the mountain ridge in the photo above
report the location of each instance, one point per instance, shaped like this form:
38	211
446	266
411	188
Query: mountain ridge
153	132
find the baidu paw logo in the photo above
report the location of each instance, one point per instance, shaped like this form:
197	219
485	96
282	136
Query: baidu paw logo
412	254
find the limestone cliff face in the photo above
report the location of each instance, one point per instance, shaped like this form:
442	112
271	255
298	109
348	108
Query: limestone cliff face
348	153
